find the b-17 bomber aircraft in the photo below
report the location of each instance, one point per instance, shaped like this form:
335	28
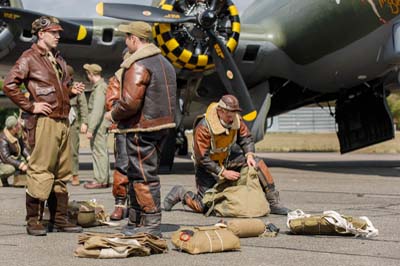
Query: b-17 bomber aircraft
278	55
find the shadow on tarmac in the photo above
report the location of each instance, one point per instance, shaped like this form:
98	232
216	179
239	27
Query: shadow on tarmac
184	166
359	167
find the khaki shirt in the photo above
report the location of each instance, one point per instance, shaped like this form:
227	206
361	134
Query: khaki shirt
80	106
96	105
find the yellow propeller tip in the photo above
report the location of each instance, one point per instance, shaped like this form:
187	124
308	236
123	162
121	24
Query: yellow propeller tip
250	116
82	33
100	8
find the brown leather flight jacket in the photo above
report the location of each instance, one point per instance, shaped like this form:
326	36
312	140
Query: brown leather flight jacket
148	95
11	151
35	70
113	93
202	146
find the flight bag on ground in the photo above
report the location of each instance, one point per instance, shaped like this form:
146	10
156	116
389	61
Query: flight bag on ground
205	239
329	223
240	198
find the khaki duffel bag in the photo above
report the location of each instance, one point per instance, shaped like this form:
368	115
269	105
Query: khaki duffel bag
329	223
241	198
246	227
205	239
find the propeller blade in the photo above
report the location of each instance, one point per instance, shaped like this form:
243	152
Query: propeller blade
142	13
73	32
213	5
231	77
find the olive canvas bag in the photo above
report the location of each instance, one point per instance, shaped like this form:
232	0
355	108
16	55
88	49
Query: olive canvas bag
241	198
329	223
205	239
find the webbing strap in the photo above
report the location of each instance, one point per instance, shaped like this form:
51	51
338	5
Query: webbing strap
209	239
220	240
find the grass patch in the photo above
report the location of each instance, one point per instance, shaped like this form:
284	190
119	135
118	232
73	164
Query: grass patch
318	142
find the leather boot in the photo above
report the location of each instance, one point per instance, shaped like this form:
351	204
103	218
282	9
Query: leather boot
75	180
133	222
58	207
118	213
193	201
34	214
4	181
150	223
176	195
274	204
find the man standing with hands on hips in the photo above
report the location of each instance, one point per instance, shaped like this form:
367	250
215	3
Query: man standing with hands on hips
145	112
44	73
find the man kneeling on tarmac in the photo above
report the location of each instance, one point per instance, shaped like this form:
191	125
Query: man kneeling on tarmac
214	137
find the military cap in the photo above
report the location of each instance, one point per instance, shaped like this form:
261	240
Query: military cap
86	218
11	122
230	103
138	28
46	23
93	68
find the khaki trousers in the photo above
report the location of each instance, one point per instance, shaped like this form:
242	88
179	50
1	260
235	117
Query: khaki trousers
49	167
101	163
74	139
6	170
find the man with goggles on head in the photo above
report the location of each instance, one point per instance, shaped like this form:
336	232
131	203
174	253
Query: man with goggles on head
44	73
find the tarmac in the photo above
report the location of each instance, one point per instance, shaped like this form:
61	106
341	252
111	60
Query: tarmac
353	184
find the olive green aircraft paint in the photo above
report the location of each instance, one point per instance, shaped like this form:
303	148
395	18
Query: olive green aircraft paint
99	24
16	3
307	30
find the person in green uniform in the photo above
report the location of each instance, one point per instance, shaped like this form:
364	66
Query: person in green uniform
78	123
97	128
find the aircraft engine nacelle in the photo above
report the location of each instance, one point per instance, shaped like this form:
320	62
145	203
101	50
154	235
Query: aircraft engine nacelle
6	36
186	45
7	32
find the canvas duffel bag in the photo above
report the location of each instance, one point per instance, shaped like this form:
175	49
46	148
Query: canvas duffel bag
246	227
329	223
241	198
205	239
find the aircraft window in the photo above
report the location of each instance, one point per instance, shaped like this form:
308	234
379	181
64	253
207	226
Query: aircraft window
251	53
108	35
27	34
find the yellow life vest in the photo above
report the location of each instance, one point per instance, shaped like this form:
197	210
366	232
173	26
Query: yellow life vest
222	139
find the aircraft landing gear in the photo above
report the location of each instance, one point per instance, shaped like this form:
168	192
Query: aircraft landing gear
168	153
176	143
181	143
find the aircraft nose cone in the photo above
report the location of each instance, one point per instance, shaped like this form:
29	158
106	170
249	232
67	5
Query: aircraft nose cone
208	18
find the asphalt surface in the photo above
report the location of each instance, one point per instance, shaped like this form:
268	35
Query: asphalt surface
354	184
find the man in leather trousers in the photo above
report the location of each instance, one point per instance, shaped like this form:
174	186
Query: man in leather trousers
145	112
44	73
215	137
120	178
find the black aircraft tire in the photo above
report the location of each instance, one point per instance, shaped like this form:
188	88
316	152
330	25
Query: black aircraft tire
183	148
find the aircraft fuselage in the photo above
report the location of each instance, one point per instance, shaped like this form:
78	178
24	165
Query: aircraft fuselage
319	44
